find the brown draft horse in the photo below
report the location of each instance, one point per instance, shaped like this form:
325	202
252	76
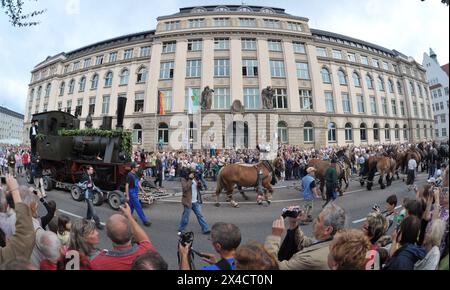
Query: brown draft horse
385	166
246	175
343	171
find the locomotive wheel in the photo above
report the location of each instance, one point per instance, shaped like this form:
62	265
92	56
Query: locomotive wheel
77	193
114	199
98	198
29	178
48	183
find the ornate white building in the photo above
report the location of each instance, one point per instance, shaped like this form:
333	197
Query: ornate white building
329	89
11	126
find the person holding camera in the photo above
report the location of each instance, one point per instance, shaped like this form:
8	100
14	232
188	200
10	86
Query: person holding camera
88	185
132	188
310	253
191	200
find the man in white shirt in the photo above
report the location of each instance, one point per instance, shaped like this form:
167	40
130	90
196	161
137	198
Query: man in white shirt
412	165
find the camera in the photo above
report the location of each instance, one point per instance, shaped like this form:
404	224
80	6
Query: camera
186	238
291	213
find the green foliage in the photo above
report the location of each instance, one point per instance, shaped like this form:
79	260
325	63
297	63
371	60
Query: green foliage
126	137
40	137
14	10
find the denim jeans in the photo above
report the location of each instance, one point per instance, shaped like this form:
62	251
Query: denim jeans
91	213
196	208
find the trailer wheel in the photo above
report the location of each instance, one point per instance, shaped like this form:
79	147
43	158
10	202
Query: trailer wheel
77	193
48	183
29	177
98	198
114	199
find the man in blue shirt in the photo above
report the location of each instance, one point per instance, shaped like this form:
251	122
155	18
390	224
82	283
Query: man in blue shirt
309	192
132	193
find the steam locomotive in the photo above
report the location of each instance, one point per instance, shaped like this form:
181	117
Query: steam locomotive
64	152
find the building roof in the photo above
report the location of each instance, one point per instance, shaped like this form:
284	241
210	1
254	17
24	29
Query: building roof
231	8
445	68
6	111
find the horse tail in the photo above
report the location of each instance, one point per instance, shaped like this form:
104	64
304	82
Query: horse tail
220	184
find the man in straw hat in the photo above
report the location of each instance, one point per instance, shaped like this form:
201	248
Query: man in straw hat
309	192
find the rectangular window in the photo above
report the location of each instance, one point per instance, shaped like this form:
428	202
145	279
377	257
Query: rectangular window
167	99
252	99
145	51
248	44
444	132
402	108
373	105
196	23
415	110
79	108
221	43
299	47
329	102
302	71
172	25
76	65
194	68
222	67
105	105
376	63
306	101
280	99
384	106
275	45
295	26
361	107
221	99
167	70
169	47
443	118
422	111
128	54
69	107
351	57
92	106
277	69
139	102
249	67
222	22
113	57
87	63
59	106
272	23
337	54
247	22
394	107
385	65
442	105
66	68
195	45
345	103
99	60
321	51
364	60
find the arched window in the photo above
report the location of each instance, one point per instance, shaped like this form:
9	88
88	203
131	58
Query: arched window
397	132
342	78
348	132
387	132
267	11
82	84
245	9
308	132
369	82
283	133
376	132
124	76
94	82
62	88
380	84
48	90
399	88
198	10
163	133
356	80
363	132
391	86
332	132
142	75
137	134
222	9
405	132
108	79
39	92
71	86
326	77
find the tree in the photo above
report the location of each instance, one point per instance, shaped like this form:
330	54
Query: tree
14	10
442	1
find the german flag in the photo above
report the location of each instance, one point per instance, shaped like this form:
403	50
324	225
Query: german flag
161	103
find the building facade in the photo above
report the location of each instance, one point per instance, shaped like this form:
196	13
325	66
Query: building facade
11	126
437	76
329	89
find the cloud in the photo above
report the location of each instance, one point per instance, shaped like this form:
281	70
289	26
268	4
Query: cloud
13	90
72	7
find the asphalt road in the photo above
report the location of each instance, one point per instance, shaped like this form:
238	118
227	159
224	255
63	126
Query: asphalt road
254	221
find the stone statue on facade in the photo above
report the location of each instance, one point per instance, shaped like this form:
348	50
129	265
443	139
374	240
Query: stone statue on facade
88	123
237	108
267	98
207	99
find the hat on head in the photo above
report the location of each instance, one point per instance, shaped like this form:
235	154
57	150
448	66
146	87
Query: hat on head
311	169
134	165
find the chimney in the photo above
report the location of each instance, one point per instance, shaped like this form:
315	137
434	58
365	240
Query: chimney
121	105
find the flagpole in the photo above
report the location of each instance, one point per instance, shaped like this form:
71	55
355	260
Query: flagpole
156	122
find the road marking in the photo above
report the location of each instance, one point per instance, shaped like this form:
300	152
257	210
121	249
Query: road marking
364	219
74	215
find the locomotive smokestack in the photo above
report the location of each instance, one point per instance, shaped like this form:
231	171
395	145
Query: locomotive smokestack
121	105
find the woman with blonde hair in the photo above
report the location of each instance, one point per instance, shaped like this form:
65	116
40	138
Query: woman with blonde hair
253	256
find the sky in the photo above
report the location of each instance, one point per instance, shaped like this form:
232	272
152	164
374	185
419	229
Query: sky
409	26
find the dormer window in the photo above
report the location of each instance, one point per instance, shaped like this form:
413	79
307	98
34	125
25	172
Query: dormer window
267	11
222	9
245	9
199	10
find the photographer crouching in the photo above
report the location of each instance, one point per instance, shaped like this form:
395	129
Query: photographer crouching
225	239
299	252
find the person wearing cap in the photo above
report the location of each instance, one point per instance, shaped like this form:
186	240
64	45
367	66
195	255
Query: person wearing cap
331	181
33	134
309	192
132	188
